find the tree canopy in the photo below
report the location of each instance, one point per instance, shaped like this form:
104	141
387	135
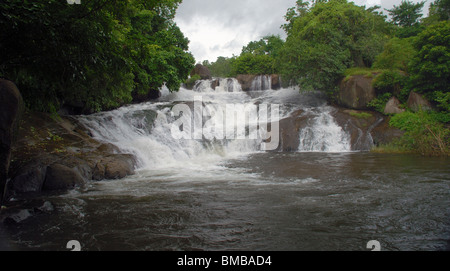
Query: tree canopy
95	55
328	38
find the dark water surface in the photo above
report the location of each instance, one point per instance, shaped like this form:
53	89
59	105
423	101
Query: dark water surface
263	201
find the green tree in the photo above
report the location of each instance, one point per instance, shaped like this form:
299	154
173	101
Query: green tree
92	56
301	8
268	45
407	14
258	57
248	63
221	67
439	10
430	68
407	17
396	55
329	38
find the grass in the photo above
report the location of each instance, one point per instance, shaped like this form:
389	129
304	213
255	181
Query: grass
391	149
366	72
360	115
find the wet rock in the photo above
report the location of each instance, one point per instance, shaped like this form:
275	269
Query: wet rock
17	217
289	131
384	134
47	207
356	92
246	81
393	106
366	128
60	177
359	125
30	179
417	102
114	167
10	112
276	81
56	154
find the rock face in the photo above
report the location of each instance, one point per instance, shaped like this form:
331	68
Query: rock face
366	128
356	92
416	102
246	81
10	111
276	81
201	70
60	177
393	107
57	154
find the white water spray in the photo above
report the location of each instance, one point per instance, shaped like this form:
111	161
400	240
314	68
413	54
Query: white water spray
323	134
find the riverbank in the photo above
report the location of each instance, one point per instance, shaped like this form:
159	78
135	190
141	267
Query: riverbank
55	153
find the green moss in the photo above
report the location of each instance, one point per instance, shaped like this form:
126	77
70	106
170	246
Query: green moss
366	72
391	148
360	115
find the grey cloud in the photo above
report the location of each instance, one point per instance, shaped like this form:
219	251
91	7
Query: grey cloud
249	19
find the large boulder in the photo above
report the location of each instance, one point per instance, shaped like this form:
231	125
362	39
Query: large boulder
276	81
61	177
417	102
57	154
10	111
202	71
115	166
393	107
356	92
246	81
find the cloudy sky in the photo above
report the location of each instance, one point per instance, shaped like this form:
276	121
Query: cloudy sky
222	27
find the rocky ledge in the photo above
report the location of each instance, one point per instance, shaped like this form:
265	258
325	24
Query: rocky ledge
366	128
56	154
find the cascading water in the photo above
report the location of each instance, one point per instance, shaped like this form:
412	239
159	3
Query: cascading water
323	134
261	82
146	130
218	84
194	191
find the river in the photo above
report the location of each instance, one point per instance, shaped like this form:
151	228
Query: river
231	194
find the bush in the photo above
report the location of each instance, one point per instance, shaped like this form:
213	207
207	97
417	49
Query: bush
389	81
396	55
423	133
379	103
430	68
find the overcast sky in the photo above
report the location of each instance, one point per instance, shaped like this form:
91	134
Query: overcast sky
222	27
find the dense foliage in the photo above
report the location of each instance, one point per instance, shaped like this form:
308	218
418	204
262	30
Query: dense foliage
328	38
258	57
430	67
424	133
95	55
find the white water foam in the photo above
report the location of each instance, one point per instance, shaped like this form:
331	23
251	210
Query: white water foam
323	134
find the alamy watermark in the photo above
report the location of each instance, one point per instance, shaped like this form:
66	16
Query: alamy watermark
230	122
71	2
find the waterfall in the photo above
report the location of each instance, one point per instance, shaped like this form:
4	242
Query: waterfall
218	84
191	128
261	82
323	134
150	132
